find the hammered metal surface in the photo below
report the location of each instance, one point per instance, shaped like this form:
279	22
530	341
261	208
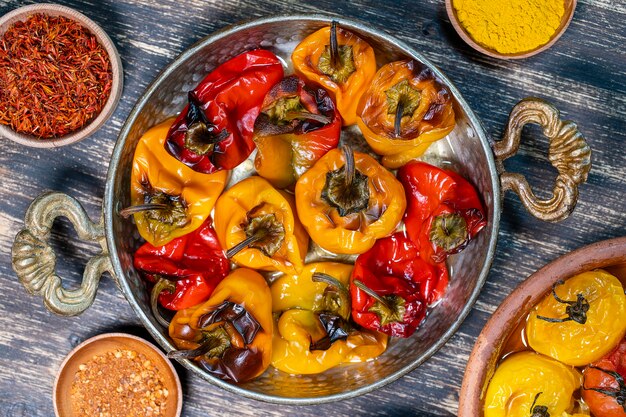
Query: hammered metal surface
466	150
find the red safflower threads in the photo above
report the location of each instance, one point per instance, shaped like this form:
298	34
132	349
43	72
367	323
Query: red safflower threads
55	77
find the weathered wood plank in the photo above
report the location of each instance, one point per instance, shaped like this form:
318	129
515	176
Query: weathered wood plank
584	74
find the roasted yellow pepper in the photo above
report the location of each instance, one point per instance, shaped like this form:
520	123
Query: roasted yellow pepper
168	198
348	200
312	333
404	110
526	384
581	321
230	335
257	225
339	61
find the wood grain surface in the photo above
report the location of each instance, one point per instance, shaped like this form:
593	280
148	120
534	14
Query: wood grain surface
583	74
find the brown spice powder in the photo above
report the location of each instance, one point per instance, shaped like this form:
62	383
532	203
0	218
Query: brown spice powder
120	383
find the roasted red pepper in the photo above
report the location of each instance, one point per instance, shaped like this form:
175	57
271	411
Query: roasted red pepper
443	211
391	286
296	127
186	270
604	387
214	131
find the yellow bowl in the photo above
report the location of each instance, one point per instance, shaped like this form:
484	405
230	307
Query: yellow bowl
570	6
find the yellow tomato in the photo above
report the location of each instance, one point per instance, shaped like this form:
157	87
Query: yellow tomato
582	320
527	380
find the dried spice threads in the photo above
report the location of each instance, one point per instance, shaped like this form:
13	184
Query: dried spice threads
119	383
55	76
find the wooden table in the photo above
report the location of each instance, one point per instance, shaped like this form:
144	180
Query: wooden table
583	74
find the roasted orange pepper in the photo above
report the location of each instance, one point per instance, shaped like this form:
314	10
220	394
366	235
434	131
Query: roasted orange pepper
582	320
230	335
257	225
312	333
296	126
404	110
339	61
168	198
527	384
347	200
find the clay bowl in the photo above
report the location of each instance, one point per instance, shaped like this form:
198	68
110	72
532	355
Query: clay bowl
570	6
22	14
609	255
109	342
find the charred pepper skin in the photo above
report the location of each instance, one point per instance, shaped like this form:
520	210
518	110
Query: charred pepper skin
297	125
356	67
195	263
158	175
238	319
404	111
214	131
302	303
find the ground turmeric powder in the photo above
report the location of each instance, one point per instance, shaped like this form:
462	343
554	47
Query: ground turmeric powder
510	26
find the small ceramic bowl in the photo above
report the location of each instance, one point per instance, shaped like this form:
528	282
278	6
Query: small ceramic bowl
570	6
22	14
106	343
609	255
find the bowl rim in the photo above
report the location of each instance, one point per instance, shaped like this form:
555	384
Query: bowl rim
109	203
462	32
517	304
117	75
119	335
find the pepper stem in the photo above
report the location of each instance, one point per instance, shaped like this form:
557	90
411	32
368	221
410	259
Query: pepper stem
348	155
128	211
575	310
398	121
372	293
161	285
334	45
336	295
215	344
243	244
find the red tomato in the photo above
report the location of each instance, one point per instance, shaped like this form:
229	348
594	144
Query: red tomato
608	375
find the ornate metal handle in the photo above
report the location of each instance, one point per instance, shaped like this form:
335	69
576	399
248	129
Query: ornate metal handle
568	153
34	260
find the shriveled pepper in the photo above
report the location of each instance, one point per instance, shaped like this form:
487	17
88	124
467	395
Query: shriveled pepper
581	320
391	286
297	125
444	212
168	198
230	335
604	385
257	225
347	200
404	111
185	271
339	61
313	332
214	131
527	384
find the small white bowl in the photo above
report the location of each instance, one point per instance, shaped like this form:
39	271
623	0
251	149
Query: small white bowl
22	14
